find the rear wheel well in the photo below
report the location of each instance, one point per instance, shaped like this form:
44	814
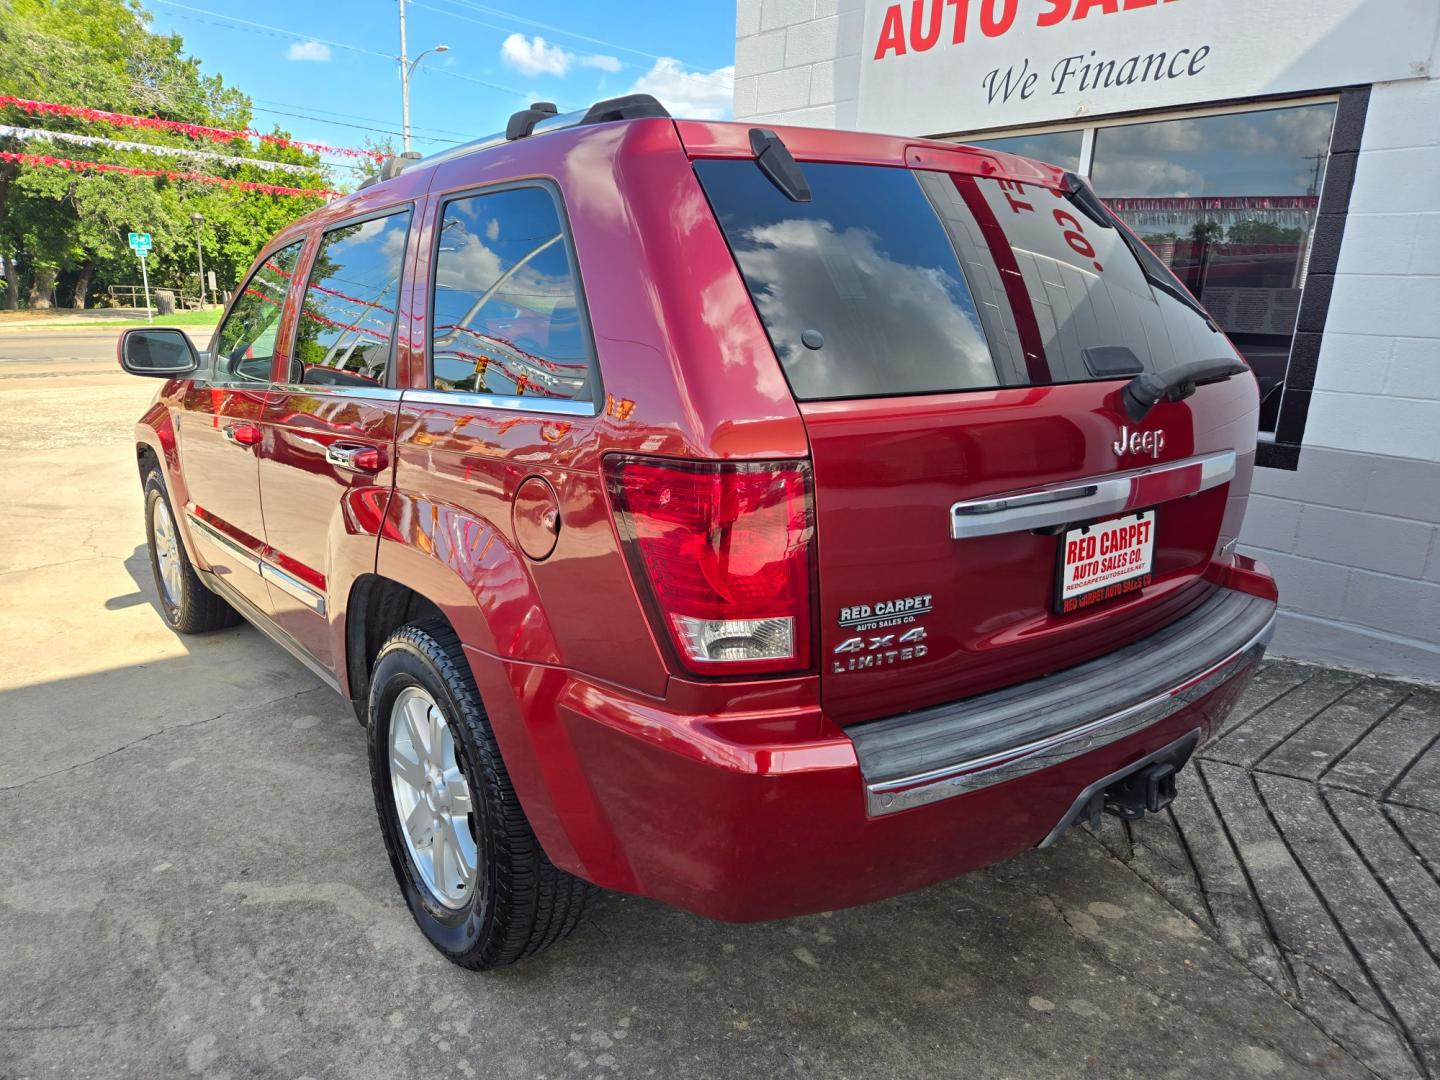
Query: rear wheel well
378	607
147	461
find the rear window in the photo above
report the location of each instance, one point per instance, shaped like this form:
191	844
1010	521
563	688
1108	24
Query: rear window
864	270
892	281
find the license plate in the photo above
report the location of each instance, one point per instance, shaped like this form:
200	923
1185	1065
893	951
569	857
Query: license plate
1107	559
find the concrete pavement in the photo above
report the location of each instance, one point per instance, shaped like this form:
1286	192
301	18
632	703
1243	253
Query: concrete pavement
192	881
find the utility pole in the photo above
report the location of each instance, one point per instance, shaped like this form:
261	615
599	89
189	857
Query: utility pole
407	68
404	83
199	220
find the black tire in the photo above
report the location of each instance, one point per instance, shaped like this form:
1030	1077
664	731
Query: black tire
522	902
196	610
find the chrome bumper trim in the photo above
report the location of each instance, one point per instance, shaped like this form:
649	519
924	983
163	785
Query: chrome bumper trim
892	796
1064	504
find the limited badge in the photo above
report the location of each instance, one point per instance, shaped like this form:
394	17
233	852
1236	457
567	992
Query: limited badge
866	652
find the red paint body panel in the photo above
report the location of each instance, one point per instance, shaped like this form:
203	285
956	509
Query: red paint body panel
739	798
312	530
886	470
695	810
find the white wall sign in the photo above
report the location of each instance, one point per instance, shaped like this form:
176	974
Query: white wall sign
939	66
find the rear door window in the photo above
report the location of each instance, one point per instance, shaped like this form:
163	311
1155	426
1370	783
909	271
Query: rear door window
507	314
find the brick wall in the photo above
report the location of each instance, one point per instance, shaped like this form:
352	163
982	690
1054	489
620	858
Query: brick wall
797	61
1354	534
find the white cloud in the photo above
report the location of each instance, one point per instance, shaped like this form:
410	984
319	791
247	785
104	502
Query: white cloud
309	50
535	56
699	95
602	62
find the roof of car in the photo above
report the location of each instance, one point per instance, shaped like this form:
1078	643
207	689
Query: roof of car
407	176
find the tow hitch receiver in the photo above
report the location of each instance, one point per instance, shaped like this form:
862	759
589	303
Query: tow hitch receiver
1143	787
1146	791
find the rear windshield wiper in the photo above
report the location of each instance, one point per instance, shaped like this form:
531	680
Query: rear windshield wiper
780	168
1145	391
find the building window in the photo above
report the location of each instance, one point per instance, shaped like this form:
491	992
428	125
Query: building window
1230	202
1057	147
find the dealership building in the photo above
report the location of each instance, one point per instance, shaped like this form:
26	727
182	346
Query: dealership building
1283	156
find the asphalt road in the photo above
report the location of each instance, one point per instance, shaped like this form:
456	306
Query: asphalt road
192	881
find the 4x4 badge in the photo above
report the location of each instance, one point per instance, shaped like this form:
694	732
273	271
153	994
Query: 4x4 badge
879	650
883	641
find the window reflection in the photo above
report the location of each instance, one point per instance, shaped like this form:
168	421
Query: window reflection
864	270
348	318
506	310
1230	203
1060	148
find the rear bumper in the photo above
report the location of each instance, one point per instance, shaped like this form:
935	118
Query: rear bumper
935	754
744	819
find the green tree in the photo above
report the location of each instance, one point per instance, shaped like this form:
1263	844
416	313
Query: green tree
1261	232
70	228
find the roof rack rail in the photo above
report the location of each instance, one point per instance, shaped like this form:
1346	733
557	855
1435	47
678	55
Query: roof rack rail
628	107
537	119
542	116
390	168
523	122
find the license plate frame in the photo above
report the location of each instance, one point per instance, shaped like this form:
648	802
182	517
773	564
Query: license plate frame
1102	586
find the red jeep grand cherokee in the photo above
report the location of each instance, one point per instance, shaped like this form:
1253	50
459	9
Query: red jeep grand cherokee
760	521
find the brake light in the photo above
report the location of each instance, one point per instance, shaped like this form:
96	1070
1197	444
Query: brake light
724	550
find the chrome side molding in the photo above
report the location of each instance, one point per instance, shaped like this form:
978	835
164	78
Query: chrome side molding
311	598
470	399
215	536
1101	496
294	586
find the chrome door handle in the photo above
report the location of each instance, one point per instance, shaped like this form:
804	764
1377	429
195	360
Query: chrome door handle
1098	497
242	434
360	459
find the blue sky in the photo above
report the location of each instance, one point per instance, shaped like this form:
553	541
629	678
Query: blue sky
317	68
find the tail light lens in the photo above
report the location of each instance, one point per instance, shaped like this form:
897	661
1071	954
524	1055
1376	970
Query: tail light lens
724	550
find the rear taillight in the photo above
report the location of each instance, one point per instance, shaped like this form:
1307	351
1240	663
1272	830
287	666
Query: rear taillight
724	550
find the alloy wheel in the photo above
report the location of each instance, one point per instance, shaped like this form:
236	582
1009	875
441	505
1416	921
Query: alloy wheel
167	552
432	798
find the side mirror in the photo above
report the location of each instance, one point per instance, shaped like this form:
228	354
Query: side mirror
160	352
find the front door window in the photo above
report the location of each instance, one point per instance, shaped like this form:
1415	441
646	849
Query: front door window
245	343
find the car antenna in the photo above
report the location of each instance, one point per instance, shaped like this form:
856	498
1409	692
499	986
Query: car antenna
774	159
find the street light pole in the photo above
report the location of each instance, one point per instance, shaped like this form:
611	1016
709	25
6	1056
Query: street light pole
404	83
199	220
407	68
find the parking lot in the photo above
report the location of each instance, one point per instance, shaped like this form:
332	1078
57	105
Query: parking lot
192	881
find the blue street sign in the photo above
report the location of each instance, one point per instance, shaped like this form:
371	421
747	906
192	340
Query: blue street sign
140	241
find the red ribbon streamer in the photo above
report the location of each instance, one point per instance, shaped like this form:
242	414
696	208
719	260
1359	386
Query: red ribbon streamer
40	160
194	131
